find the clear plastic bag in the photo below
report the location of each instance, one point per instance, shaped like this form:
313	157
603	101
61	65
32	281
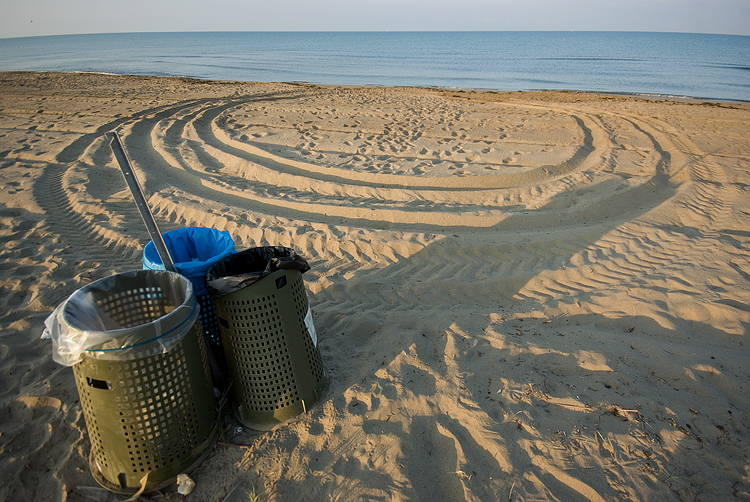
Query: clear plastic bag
123	316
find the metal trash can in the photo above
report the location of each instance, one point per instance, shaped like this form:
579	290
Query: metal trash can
268	334
194	250
140	364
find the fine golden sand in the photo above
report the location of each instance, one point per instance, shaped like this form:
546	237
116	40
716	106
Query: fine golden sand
518	296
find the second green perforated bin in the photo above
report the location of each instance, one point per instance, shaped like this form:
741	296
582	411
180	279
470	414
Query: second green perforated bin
268	334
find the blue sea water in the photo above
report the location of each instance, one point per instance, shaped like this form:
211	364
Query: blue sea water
672	64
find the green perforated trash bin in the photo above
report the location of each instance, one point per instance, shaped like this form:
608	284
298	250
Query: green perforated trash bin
268	334
140	364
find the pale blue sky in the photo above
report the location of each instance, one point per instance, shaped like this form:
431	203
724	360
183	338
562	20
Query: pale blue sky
55	17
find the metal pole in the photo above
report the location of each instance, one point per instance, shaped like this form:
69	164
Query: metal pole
140	200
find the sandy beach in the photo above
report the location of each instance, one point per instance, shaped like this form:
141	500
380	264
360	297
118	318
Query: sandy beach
518	296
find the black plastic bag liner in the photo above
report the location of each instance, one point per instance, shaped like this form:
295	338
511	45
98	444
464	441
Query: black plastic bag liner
240	270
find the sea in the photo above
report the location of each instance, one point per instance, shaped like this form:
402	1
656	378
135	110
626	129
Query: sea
703	66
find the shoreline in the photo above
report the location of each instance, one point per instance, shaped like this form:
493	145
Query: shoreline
526	294
645	95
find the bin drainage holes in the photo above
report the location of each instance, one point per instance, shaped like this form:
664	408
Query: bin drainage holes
98	384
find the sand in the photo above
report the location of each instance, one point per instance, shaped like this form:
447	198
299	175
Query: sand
518	296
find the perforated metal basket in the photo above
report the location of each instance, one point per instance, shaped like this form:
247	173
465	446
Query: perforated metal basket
210	323
271	349
149	405
194	250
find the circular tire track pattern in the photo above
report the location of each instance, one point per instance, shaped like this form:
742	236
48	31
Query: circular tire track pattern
485	249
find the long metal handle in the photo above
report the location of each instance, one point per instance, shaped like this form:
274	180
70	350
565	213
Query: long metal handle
140	200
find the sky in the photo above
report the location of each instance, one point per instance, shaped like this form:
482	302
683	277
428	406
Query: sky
21	18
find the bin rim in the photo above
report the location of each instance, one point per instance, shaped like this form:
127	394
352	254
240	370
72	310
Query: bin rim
244	268
72	338
193	250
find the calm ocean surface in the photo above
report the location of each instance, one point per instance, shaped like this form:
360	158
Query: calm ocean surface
674	64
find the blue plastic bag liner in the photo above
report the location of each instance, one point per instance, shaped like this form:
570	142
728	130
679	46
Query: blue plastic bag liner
242	269
124	316
193	251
